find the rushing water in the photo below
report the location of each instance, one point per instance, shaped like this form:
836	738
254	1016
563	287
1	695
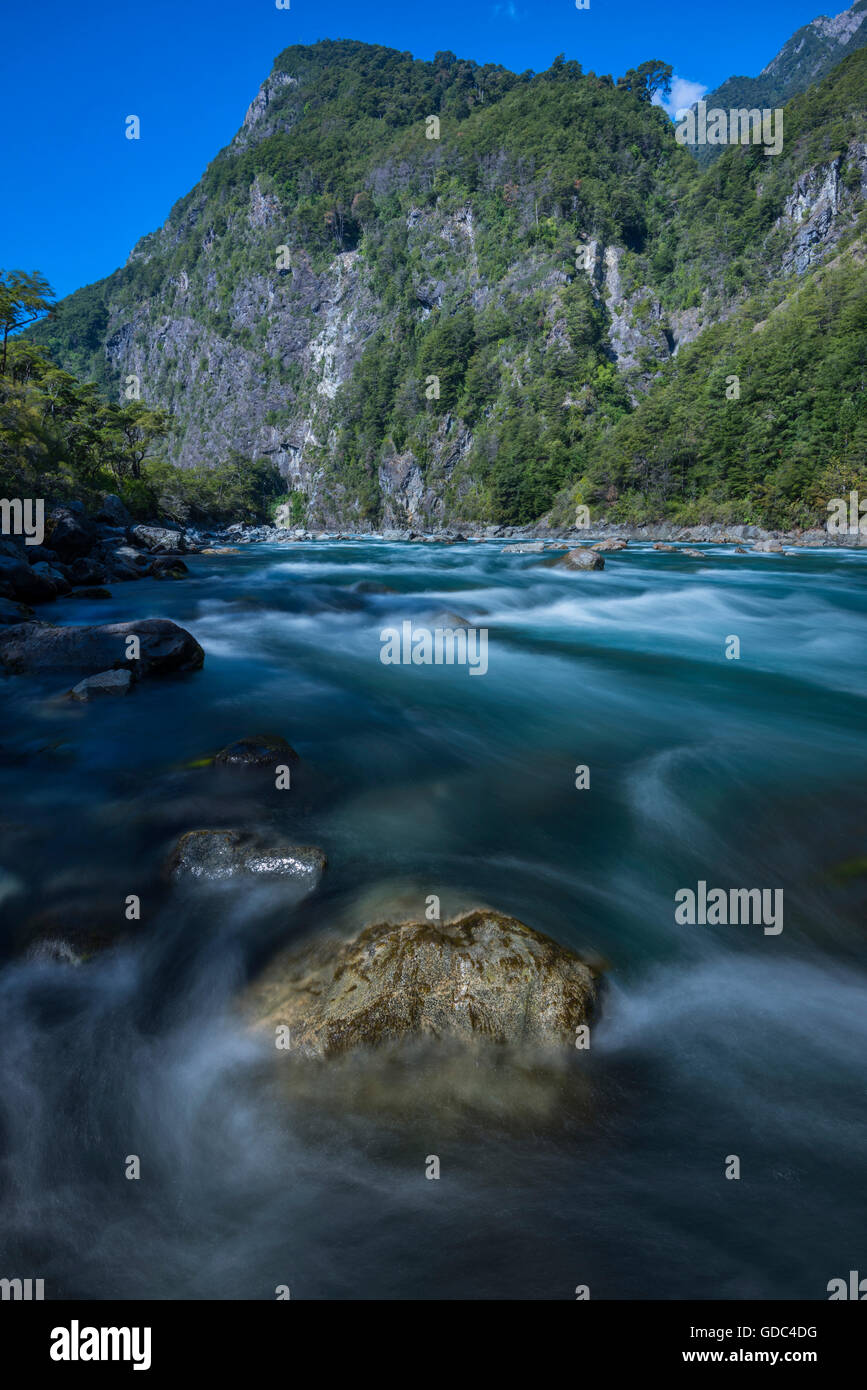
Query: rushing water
712	1041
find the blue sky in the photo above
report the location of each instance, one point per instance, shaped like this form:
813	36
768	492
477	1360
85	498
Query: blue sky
78	194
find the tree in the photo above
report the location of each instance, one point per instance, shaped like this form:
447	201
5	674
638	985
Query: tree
139	427
24	297
648	78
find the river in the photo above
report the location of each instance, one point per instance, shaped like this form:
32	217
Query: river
712	1041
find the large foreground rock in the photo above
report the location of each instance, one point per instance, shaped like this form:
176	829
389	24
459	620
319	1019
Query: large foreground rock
165	648
482	976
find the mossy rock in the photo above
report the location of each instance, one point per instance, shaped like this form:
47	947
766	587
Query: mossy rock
481	977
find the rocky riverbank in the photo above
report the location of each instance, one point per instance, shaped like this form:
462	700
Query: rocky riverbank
81	555
667	532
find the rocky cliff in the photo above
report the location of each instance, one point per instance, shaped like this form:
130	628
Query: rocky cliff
420	322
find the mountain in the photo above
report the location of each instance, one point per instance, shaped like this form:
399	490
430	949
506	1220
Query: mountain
398	315
809	55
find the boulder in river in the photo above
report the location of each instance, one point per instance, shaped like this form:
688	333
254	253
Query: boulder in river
612	543
164	648
214	856
580	559
768	547
259	751
669	549
158	539
483	976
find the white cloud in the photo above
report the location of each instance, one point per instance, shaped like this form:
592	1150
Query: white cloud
683	94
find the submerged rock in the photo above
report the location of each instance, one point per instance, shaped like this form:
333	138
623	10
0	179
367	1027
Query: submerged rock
259	751
370	586
165	648
73	932
106	683
669	549
444	619
580	560
694	554
217	855
483	976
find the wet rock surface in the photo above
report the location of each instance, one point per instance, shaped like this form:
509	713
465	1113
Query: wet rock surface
106	683
165	648
215	856
482	977
580	560
256	752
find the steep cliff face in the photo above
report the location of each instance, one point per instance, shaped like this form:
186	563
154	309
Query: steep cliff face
419	329
819	208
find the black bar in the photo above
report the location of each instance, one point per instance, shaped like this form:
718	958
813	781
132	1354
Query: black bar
258	1339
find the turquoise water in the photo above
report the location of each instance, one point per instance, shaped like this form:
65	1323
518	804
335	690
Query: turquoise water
419	780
